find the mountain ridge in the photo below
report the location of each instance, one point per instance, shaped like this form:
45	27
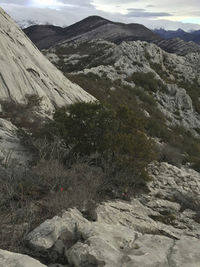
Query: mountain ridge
96	27
93	27
193	36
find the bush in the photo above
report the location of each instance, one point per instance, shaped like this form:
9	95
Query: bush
116	137
147	81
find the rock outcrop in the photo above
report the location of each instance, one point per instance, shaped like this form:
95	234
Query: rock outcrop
161	228
24	71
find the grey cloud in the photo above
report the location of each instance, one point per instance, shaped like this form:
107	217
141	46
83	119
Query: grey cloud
147	15
16	2
136	12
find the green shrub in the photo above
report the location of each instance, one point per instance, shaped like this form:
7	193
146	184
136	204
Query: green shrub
147	81
117	137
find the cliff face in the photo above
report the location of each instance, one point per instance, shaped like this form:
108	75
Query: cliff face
25	71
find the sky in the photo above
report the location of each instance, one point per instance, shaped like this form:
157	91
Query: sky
170	14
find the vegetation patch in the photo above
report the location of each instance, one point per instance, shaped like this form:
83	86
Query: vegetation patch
22	115
148	81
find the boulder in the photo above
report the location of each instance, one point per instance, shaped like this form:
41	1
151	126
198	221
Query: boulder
54	236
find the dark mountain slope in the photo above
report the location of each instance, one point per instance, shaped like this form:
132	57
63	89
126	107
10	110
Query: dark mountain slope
93	27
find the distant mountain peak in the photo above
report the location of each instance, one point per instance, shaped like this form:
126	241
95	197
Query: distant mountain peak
90	28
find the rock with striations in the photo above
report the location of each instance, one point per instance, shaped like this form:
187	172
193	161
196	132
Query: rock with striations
24	71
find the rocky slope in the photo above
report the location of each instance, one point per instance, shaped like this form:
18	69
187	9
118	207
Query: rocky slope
158	229
28	79
131	63
88	29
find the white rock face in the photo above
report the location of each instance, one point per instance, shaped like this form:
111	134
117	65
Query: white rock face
25	71
9	259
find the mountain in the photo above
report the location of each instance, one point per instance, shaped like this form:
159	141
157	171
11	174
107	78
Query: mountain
28	82
40	34
93	27
193	36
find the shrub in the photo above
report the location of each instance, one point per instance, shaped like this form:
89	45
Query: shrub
147	81
115	136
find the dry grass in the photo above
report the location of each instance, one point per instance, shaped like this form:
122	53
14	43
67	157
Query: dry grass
29	197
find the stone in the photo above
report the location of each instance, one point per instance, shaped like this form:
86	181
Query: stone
10	259
55	235
185	253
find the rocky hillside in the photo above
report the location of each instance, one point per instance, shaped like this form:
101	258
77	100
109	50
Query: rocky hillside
172	80
158	229
28	82
165	87
108	183
93	27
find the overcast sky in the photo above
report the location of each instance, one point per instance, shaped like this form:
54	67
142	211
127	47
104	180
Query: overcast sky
170	14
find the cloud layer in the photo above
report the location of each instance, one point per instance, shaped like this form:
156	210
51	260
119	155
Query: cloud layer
171	14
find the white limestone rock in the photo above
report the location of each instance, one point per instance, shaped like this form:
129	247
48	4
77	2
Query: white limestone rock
25	71
58	228
10	259
114	241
